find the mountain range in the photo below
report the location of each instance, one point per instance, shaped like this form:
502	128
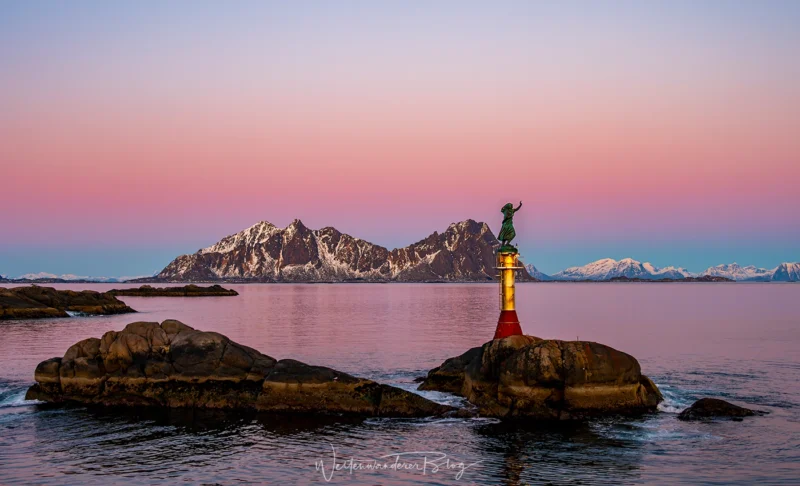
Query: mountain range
608	268
464	252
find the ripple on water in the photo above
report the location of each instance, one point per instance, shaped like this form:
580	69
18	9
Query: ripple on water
395	333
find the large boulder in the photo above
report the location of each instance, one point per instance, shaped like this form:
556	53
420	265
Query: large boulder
34	302
173	365
707	408
525	376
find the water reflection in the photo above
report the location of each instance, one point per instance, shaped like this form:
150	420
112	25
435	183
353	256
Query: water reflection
559	452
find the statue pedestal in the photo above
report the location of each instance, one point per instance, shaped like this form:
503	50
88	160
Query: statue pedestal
508	323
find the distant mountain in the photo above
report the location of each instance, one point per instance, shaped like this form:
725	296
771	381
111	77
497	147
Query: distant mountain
629	269
787	272
264	252
736	272
44	277
49	276
609	268
535	273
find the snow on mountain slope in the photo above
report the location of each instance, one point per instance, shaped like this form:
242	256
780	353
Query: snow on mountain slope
264	252
736	272
787	272
535	273
609	268
71	277
45	275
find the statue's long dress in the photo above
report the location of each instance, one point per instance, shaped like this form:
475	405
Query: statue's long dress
507	232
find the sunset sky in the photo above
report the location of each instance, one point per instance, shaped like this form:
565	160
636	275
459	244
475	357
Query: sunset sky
664	131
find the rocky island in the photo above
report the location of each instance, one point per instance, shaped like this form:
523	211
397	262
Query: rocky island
710	408
173	365
184	291
34	302
528	377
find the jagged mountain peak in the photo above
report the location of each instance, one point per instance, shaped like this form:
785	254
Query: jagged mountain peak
463	252
296	224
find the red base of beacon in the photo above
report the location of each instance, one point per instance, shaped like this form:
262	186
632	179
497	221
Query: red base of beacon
507	325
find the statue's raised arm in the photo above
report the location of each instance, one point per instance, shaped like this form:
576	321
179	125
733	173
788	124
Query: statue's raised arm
518	207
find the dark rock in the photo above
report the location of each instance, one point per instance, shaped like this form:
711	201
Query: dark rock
185	291
715	408
35	302
524	376
449	377
173	365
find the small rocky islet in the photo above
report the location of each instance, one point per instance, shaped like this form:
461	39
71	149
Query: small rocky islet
529	377
714	408
190	290
34	302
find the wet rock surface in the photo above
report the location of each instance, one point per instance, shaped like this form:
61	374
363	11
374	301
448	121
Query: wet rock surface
708	408
529	377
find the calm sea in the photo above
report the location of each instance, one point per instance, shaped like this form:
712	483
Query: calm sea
740	342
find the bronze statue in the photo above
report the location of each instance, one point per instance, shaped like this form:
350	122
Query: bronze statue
507	232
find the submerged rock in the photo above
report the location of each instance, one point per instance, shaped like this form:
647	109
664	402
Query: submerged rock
190	290
173	365
525	376
714	407
34	302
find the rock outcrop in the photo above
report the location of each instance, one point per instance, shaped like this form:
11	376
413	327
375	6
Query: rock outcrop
184	291
173	365
264	252
34	302
525	376
707	408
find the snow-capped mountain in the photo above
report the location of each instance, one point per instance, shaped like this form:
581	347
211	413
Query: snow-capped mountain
734	271
535	273
51	276
264	252
609	268
44	276
787	272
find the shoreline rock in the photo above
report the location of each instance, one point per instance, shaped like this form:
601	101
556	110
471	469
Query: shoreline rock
707	408
529	377
36	302
190	290
176	366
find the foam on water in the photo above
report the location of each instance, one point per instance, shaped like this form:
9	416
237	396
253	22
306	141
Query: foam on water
13	395
675	400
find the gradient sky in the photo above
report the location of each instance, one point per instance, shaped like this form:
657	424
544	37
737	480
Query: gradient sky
131	132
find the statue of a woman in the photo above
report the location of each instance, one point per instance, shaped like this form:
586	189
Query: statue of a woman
507	232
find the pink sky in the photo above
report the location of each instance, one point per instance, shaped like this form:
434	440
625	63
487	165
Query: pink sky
185	130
